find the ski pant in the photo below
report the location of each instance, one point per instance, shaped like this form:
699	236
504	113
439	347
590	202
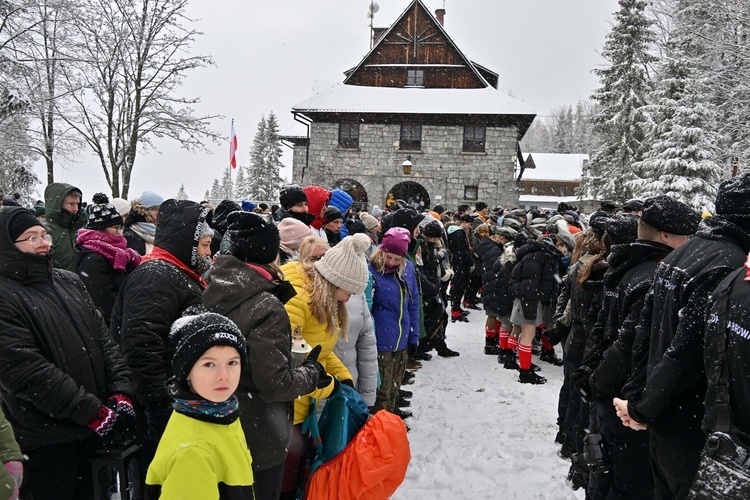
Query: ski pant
673	467
391	366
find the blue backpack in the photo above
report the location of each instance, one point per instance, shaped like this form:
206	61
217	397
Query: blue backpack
344	414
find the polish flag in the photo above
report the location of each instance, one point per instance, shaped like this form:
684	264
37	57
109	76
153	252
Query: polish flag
233	148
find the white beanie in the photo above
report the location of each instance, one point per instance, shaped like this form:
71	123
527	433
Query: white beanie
122	206
345	265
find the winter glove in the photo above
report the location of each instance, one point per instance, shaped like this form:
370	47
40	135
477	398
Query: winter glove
348	382
103	424
448	275
412	350
157	417
15	469
581	379
324	380
126	421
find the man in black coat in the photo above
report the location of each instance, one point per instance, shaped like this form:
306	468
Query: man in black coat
665	225
153	296
668	383
64	385
458	244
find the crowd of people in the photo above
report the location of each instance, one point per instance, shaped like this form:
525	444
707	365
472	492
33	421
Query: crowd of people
170	323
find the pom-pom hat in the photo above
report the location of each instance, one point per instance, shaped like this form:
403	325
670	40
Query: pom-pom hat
103	214
344	265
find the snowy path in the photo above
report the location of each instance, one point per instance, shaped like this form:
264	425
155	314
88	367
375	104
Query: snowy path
477	433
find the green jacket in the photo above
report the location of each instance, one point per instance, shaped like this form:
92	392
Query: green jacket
197	459
62	225
9	450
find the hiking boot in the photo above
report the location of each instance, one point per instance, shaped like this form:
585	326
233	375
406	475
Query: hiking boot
413	365
508	359
444	352
464	312
402	402
404	414
457	316
529	377
490	346
423	356
535	368
407	379
402	393
471	305
550	357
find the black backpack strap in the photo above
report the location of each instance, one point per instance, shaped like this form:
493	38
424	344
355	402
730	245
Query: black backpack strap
722	405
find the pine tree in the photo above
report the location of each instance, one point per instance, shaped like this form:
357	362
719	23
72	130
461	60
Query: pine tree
263	180
181	194
240	184
216	193
622	96
206	195
563	134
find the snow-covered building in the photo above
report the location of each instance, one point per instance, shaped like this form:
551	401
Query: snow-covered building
416	119
546	179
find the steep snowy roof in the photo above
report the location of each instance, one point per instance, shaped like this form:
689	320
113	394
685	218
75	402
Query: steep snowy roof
358	99
555	167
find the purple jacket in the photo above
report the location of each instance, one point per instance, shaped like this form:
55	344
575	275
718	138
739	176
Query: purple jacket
395	309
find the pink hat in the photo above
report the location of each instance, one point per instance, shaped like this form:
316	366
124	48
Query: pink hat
292	232
396	241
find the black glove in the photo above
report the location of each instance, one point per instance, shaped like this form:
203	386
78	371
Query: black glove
412	350
324	380
581	378
126	421
348	382
103	424
157	417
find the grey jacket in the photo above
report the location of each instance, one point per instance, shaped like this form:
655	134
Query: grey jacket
359	350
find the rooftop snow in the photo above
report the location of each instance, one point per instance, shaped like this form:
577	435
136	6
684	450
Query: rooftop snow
555	167
358	99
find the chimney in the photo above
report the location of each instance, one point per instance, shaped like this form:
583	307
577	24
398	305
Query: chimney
377	34
440	14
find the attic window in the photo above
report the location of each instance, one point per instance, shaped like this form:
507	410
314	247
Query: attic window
474	138
411	137
349	135
414	78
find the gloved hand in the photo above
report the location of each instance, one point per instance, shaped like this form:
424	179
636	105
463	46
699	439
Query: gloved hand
412	350
448	275
581	378
348	382
103	424
15	469
126	421
157	417
324	380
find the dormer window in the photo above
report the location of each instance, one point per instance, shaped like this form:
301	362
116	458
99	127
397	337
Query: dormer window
414	78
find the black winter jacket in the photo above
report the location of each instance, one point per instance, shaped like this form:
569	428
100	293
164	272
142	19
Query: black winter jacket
101	279
58	363
458	243
491	252
668	383
153	296
533	278
269	385
737	352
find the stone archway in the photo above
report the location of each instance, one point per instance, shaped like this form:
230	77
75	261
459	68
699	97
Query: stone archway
356	190
410	192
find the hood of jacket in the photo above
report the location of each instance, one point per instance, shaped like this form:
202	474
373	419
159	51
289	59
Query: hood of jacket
718	227
317	198
54	195
239	282
454	228
15	264
178	229
341	200
622	258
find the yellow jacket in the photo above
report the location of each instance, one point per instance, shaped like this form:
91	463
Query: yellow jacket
314	333
197	459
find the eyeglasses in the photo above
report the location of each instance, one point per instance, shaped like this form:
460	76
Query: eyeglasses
36	241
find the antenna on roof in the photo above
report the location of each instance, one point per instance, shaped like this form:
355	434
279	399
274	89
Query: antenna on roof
374	7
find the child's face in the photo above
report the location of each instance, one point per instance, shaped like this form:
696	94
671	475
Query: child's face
216	375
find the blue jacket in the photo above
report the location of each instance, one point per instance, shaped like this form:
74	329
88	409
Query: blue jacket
395	309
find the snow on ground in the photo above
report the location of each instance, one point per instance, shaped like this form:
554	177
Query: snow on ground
477	432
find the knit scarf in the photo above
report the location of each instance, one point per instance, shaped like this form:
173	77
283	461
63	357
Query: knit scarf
161	254
112	247
201	409
145	231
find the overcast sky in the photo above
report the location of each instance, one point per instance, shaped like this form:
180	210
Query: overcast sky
270	55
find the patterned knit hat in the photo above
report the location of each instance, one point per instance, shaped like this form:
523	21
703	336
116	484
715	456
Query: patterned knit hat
344	265
103	214
193	335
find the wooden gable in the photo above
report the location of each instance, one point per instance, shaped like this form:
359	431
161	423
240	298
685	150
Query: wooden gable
416	43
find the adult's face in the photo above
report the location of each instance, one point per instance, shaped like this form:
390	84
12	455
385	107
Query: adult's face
393	260
34	240
72	203
204	247
300	207
334	226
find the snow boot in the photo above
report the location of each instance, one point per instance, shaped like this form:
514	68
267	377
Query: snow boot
404	414
408	378
457	316
509	360
550	357
422	356
444	352
529	377
490	346
401	402
413	365
471	305
402	393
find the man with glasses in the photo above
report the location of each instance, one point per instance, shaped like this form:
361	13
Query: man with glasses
63	220
63	381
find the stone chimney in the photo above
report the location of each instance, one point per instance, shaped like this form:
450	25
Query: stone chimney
440	15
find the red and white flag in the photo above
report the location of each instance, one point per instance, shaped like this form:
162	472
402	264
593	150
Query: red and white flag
233	148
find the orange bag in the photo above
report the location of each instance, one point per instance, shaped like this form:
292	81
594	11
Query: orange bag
372	466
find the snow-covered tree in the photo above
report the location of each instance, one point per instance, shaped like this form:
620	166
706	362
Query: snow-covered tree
263	179
625	83
16	157
216	193
181	194
240	185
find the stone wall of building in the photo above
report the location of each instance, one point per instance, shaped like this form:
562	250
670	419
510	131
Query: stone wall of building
441	167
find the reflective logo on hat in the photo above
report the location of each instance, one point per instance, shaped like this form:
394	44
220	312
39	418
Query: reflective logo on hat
224	335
